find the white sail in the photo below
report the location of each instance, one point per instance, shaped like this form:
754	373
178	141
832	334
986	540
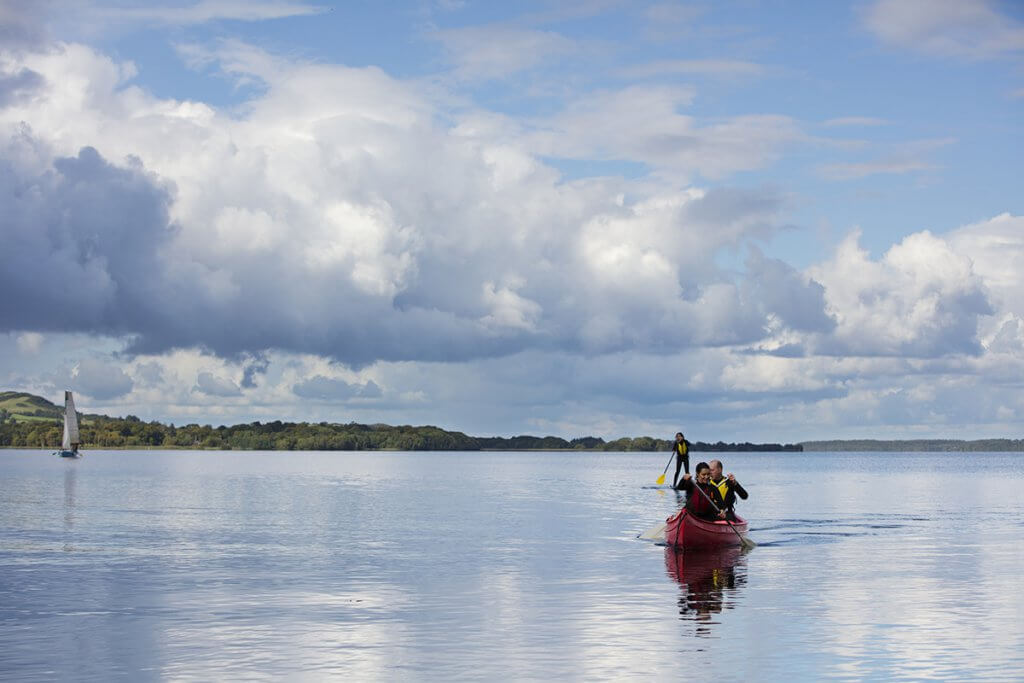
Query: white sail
71	438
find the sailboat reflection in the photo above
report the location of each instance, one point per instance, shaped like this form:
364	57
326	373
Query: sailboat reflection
709	580
69	504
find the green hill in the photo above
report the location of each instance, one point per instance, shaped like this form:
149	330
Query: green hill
23	407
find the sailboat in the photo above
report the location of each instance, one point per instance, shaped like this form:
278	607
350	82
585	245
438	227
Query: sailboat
69	445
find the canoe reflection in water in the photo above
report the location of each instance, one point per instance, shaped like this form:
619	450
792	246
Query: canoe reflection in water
708	578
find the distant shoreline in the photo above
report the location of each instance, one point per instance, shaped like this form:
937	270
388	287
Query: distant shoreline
29	421
909	446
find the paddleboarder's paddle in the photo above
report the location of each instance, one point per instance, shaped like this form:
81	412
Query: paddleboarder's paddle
661	480
744	541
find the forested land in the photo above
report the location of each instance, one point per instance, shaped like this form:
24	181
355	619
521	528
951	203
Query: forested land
38	424
918	445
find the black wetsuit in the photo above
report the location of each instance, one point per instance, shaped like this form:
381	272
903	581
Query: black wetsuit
733	489
682	451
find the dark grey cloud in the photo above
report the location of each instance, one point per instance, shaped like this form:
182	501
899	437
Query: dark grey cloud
101	380
781	290
81	244
150	373
371	390
17	85
211	385
328	389
255	366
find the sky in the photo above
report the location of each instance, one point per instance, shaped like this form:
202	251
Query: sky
748	220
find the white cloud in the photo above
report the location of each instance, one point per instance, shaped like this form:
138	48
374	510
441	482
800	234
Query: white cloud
921	299
328	181
974	29
996	250
509	309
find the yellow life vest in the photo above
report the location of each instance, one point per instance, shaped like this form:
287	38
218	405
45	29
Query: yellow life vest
681	448
722	486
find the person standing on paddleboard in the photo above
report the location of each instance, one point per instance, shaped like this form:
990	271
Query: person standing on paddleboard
682	450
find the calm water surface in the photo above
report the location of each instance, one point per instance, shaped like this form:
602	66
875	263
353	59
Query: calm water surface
214	566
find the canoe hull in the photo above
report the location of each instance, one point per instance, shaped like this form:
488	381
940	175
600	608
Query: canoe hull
686	531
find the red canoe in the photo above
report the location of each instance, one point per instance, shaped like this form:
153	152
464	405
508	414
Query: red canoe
686	531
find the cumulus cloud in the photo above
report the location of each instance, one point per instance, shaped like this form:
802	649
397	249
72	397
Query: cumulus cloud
996	250
313	223
101	379
921	299
93	228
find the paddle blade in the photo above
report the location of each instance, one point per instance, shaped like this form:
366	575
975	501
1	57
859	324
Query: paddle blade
655	533
660	480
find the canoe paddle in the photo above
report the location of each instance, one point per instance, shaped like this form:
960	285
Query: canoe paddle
655	533
661	479
744	541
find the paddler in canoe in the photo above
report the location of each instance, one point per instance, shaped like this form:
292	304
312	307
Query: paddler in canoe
703	507
728	487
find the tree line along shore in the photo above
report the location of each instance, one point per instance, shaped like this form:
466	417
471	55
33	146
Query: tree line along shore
131	432
28	421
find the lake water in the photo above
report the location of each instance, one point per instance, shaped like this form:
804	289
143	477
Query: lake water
436	566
